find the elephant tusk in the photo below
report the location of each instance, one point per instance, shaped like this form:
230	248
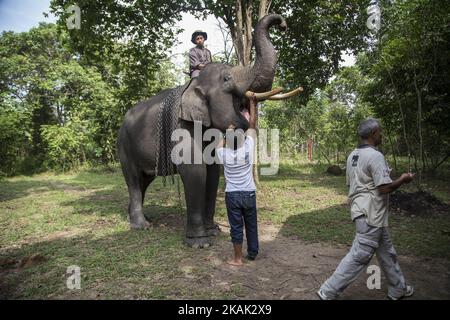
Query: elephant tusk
262	95
283	96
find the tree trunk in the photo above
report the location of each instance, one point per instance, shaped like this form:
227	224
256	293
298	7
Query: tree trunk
419	128
241	28
247	13
240	21
264	6
393	151
238	37
402	116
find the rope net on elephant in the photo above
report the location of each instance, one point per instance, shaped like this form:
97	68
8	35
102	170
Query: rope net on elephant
166	124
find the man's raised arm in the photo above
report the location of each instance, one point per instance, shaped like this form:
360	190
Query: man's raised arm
394	185
252	111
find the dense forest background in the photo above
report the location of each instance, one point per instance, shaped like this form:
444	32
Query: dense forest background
64	93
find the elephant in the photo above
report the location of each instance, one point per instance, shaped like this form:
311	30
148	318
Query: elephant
215	98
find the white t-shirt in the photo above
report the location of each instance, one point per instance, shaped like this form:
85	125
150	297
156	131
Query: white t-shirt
238	165
366	170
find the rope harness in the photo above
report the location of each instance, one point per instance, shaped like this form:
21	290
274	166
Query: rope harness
166	124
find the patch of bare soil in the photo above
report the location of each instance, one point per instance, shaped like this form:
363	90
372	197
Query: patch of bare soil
288	268
171	221
25	262
419	203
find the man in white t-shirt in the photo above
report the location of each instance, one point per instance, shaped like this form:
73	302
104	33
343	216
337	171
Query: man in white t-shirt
236	153
368	178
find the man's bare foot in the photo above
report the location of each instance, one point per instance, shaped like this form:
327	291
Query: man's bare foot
235	263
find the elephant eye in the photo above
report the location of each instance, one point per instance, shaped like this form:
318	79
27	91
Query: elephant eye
227	78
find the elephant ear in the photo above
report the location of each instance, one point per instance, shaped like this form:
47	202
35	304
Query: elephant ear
194	105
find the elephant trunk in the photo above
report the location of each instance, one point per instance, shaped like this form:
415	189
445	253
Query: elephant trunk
266	56
259	77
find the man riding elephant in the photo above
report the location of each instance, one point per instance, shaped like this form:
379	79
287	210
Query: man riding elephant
199	56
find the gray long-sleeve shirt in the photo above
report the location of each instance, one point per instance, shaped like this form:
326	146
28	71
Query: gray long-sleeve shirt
198	56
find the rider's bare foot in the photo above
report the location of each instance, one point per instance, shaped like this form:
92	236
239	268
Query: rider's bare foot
236	263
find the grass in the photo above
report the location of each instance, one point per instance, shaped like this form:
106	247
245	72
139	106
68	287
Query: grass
79	218
314	208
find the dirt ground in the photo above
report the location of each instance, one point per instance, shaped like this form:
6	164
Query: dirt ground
288	268
65	216
418	203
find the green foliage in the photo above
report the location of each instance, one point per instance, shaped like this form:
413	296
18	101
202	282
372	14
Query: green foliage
310	51
125	40
64	144
410	71
402	78
14	134
69	89
318	33
57	111
330	118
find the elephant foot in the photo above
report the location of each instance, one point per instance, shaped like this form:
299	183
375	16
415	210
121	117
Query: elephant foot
139	224
213	231
198	242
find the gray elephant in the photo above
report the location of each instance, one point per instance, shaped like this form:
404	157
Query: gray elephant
215	98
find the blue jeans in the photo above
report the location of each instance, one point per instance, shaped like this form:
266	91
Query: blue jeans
241	208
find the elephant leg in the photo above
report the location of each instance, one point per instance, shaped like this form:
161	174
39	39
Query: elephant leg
194	180
135	182
134	179
146	180
212	183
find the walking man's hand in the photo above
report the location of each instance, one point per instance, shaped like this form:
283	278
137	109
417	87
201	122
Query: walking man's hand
407	177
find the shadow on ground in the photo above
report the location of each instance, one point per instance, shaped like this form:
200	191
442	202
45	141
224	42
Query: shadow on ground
154	264
124	264
296	255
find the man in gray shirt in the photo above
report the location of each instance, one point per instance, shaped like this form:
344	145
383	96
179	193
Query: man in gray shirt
369	182
199	56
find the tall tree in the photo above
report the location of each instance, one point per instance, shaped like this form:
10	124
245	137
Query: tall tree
410	69
126	40
319	31
56	109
